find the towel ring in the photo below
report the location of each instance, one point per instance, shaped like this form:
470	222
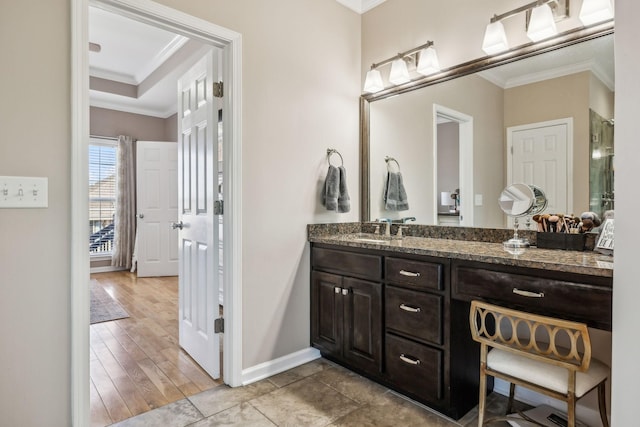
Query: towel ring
391	159
330	152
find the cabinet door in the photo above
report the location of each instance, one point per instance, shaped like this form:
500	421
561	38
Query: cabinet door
326	312
363	324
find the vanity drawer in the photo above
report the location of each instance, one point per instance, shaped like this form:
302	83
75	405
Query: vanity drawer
418	274
566	299
413	313
348	263
414	367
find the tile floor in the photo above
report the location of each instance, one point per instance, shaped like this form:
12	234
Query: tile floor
319	393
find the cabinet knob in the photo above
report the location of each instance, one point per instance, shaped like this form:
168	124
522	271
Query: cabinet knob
337	290
345	292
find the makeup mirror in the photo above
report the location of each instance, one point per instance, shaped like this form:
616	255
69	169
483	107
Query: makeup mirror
519	200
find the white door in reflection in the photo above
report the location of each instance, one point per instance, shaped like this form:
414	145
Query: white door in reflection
539	154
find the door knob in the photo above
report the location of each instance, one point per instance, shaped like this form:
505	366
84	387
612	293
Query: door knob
140	216
178	224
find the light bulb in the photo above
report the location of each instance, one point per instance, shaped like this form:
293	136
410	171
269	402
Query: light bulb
495	39
373	82
428	62
542	25
593	11
399	72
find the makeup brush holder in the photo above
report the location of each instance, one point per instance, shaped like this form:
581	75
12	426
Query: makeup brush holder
565	241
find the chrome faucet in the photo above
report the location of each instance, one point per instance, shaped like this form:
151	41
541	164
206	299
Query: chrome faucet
387	231
406	219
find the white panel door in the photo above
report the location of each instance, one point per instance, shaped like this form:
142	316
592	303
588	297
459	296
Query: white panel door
198	236
157	208
540	156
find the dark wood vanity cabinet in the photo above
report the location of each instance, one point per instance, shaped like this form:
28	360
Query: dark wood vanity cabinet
388	316
346	308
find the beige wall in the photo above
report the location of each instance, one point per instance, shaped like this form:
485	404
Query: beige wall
289	118
559	98
105	122
35	243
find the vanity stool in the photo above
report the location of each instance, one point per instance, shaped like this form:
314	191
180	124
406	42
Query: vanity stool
537	363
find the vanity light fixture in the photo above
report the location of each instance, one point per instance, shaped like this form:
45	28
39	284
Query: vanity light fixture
425	58
399	72
541	24
593	11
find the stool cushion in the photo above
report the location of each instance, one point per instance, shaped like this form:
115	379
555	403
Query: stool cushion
545	374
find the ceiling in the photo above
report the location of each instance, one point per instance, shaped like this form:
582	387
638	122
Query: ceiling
137	67
138	64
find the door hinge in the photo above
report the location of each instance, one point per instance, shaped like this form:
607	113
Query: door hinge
218	89
218	207
218	325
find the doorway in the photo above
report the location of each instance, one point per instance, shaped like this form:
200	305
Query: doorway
230	43
452	127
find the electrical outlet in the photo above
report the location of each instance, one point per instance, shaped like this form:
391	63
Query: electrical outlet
24	192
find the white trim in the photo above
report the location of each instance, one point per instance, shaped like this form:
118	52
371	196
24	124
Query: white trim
588	415
105	269
79	256
466	162
552	73
122	106
361	6
166	53
565	121
281	364
231	43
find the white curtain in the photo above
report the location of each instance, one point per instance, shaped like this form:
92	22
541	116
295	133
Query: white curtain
125	219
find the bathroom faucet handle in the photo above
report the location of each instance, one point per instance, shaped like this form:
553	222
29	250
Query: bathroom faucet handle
400	228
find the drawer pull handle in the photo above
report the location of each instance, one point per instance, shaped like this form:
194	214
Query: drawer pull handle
528	293
409	308
410	360
409	273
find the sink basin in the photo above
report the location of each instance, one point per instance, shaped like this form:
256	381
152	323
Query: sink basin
370	238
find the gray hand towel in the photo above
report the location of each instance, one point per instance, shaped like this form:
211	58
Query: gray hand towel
331	189
344	203
395	196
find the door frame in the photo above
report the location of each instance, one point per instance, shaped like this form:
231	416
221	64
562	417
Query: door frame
231	44
568	121
465	157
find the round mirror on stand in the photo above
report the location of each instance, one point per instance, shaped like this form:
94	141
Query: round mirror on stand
518	200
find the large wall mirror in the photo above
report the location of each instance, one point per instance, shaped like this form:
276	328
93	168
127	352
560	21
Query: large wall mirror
460	137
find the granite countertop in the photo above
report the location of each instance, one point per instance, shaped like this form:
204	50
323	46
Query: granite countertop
587	262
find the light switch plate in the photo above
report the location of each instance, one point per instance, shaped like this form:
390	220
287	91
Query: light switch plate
478	200
24	192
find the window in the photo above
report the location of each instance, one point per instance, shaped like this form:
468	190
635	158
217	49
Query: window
102	195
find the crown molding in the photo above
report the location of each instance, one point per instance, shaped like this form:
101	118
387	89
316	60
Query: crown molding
360	6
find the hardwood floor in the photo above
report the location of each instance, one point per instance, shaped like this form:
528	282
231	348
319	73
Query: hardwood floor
136	364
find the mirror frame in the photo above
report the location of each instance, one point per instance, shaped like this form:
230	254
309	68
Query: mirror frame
528	50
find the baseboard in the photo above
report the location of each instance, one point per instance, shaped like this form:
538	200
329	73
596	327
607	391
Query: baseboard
105	269
586	414
281	364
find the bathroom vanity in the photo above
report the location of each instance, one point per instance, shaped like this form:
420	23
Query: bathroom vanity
398	311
